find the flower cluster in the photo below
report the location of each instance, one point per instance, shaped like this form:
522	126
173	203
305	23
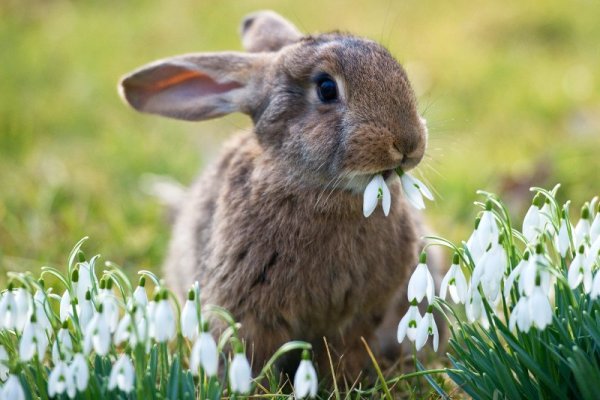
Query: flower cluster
102	336
377	189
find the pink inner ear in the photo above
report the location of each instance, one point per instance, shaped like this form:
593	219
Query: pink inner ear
172	83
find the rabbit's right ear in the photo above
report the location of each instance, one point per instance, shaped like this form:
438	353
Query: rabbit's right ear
197	86
267	31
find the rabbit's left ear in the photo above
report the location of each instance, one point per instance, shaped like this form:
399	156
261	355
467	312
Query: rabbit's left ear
197	86
267	31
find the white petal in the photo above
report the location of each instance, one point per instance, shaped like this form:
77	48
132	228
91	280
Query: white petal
12	389
240	374
487	232
461	285
402	328
412	193
386	200
80	372
582	232
444	285
540	310
189	320
595	229
370	196
417	284
531	223
595	292
66	310
305	380
563	241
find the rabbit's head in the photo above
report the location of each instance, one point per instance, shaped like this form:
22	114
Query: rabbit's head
329	106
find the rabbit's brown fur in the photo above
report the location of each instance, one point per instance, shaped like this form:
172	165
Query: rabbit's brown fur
274	230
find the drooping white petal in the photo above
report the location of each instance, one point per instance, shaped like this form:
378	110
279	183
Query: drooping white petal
8	310
97	335
122	375
425	328
575	274
514	274
595	228
33	341
540	310
487	232
189	320
80	371
582	232
563	243
531	223
305	380
408	324
3	364
240	374
370	196
475	247
595	292
66	310
205	355
60	380
63	339
12	389
164	321
23	301
474	305
421	284
412	192
85	281
386	198
123	330
140	297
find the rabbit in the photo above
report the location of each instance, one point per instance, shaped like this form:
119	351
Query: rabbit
274	230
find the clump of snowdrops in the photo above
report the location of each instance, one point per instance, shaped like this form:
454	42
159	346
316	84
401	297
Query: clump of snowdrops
530	326
103	338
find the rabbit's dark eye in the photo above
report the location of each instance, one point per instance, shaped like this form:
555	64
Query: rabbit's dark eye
326	88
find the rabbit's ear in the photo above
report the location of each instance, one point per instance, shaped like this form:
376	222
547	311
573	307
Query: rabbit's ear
267	31
197	86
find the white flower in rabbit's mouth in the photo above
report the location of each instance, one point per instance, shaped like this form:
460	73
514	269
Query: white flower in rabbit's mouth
375	190
414	189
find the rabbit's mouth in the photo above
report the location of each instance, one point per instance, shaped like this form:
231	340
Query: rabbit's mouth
387	173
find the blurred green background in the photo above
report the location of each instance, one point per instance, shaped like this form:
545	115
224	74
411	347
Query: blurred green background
510	90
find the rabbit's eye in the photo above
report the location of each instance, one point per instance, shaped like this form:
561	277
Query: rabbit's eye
326	88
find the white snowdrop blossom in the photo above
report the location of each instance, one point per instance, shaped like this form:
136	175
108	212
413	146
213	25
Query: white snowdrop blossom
375	190
205	355
578	272
110	305
540	310
66	309
33	341
12	389
189	318
80	372
97	334
421	282
409	323
520	316
122	375
3	364
425	328
140	298
414	190
240	374
532	222
42	310
61	381
85	311
593	255
83	282
487	231
455	283
582	229
475	248
489	271
474	306
535	272
8	310
23	301
595	228
563	242
595	292
63	339
305	380
165	319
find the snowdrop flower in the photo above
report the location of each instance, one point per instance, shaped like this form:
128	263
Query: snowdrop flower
80	372
8	309
409	323
595	228
533	223
455	282
375	190
515	274
109	303
3	364
164	318
414	190
23	301
540	310
12	389
475	248
33	341
593	254
82	280
189	317
578	272
240	374
487	231
42	309
123	331
594	294
61	380
563	242
535	273
474	306
421	282
520	316
140	298
425	328
86	311
66	309
489	271
205	355
582	229
305	380
97	334
63	339
122	375
150	310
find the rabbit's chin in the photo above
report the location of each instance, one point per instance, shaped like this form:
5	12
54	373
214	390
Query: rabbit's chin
357	182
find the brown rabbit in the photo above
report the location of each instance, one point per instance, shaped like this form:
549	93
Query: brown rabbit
274	230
